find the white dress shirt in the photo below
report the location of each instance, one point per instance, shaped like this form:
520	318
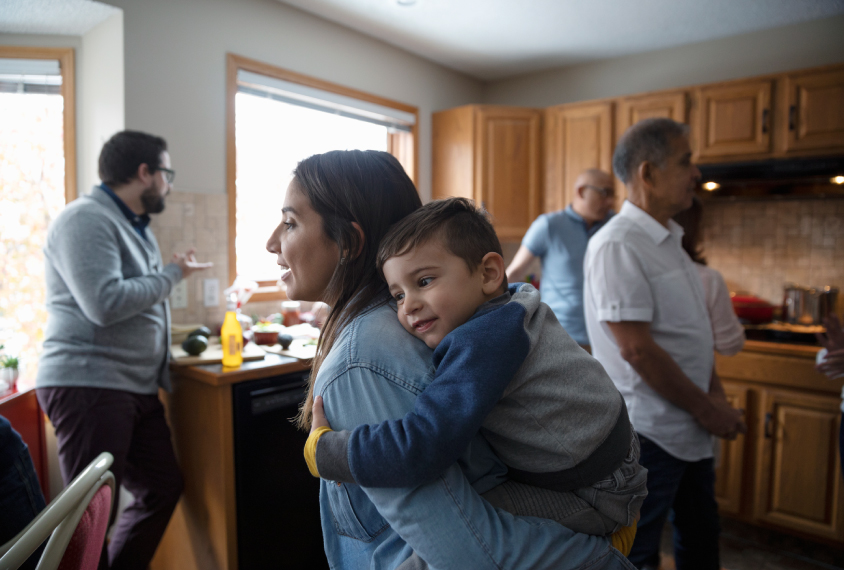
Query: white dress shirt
726	329
636	270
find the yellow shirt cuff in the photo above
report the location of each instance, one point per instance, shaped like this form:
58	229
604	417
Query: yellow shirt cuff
622	539
310	449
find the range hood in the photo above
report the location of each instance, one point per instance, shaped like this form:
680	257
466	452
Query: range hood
771	179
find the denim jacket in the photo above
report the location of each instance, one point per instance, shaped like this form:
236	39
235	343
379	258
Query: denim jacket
374	372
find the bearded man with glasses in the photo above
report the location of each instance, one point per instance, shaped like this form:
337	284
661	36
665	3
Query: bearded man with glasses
559	241
107	343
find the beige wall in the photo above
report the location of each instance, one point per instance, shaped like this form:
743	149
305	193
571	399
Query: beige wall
175	73
100	95
809	44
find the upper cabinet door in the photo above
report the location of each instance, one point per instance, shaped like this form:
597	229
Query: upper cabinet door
508	167
815	110
577	137
734	119
669	105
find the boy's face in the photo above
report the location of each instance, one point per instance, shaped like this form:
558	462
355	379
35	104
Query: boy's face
435	291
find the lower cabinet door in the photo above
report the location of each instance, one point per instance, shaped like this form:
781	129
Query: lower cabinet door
798	477
729	457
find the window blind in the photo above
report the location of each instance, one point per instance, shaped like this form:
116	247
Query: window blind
326	101
30	76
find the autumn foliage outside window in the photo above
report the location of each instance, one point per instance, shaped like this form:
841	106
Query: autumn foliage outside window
32	193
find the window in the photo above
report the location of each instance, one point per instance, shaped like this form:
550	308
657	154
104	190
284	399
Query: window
37	178
277	118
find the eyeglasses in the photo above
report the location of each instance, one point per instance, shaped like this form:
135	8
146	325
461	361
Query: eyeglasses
604	192
169	175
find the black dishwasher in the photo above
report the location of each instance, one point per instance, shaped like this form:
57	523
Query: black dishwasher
277	498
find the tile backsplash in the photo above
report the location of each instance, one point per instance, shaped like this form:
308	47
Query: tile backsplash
760	246
201	221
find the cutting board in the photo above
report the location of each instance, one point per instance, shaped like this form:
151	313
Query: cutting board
212	355
297	349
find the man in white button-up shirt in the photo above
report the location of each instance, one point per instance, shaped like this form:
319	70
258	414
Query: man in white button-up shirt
648	325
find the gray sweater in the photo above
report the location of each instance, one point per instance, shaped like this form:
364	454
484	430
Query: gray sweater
107	289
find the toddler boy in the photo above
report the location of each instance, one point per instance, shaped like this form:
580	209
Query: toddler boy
504	365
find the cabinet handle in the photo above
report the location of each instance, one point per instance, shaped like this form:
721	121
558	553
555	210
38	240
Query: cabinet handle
769	420
792	117
765	121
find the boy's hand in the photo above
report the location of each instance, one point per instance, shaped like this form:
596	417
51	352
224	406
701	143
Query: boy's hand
318	420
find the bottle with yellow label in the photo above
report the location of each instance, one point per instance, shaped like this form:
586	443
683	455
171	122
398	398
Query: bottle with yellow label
231	337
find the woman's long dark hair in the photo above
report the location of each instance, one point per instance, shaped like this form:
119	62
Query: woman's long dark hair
691	220
368	187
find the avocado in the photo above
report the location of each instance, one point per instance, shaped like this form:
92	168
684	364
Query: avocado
202	331
195	345
284	340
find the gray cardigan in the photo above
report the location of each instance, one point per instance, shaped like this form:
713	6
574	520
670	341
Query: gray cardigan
107	289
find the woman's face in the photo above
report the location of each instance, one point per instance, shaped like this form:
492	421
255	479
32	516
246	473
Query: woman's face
305	253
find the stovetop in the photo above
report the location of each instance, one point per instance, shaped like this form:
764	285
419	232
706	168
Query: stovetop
787	333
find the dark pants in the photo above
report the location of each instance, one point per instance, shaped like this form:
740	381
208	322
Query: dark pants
132	428
20	496
841	443
686	490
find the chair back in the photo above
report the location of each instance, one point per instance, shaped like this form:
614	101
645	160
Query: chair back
86	545
59	521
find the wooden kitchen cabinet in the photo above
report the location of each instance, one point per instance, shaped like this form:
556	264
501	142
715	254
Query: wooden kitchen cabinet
734	120
491	154
785	472
668	104
730	471
577	137
798	477
813	118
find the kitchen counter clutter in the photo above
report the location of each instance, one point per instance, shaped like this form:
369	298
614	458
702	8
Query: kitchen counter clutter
785	472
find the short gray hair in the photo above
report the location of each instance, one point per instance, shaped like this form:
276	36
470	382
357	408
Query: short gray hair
648	140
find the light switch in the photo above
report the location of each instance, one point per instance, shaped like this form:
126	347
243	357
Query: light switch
211	292
179	295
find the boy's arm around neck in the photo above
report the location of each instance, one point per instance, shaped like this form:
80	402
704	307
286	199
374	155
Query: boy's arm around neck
475	363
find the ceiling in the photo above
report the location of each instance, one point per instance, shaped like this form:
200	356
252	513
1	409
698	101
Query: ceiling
65	17
494	39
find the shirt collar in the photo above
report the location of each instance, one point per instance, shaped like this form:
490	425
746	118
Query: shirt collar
569	211
654	229
139	222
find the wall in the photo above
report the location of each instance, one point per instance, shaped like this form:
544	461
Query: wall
175	73
760	246
100	95
798	46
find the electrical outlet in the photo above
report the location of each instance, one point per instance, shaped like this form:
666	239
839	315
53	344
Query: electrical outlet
179	295
211	292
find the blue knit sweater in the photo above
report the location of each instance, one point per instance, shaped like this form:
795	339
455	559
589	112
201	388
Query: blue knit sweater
546	406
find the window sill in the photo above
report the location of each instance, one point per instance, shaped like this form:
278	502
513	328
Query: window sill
268	293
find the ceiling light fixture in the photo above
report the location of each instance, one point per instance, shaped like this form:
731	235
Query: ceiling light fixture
837	179
711	186
405	2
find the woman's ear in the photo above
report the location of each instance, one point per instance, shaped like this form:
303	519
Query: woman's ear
492	267
361	238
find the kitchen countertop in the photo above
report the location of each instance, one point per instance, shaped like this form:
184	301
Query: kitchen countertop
781	348
217	375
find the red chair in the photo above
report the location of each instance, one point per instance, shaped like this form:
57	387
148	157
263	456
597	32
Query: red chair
75	522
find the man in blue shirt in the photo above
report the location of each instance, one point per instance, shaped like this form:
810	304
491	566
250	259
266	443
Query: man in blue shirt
559	240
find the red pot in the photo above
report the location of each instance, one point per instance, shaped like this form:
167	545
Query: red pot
753	309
